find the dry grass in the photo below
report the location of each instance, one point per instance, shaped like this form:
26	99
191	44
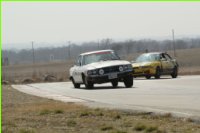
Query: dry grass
187	58
22	113
195	70
17	73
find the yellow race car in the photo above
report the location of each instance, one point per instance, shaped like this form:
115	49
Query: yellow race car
155	64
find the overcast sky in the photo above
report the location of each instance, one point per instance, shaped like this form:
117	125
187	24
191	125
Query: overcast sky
77	22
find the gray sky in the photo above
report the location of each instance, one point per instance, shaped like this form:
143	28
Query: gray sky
77	22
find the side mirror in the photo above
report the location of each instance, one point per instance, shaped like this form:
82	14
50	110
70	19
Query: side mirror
163	59
173	60
77	64
133	61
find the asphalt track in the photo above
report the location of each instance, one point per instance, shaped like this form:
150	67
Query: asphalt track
180	96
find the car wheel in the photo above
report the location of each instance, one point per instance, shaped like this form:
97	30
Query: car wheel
128	81
88	84
114	84
148	76
75	84
157	75
175	73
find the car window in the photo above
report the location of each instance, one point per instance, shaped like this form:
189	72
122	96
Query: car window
155	57
167	57
163	57
148	57
78	62
99	56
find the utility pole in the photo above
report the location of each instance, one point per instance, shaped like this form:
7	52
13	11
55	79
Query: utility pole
173	43
98	44
33	53
69	49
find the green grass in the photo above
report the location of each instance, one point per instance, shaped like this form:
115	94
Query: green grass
58	111
71	123
140	127
26	131
106	128
45	112
151	129
85	113
118	131
145	127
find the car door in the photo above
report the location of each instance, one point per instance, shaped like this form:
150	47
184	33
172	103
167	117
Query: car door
164	63
77	68
170	64
80	70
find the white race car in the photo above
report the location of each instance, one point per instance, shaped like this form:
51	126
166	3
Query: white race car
101	67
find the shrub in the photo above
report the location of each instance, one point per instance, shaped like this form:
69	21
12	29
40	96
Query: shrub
58	111
45	112
140	127
106	128
151	129
26	131
71	123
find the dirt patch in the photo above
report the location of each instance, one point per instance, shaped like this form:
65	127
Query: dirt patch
5	82
195	70
27	81
49	78
22	113
39	72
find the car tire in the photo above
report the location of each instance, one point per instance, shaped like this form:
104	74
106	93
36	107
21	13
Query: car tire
148	76
75	84
128	81
157	75
88	84
114	84
175	73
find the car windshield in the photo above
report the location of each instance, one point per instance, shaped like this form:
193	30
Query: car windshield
99	56
147	57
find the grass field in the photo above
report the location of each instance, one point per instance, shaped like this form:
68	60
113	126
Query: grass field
188	60
22	113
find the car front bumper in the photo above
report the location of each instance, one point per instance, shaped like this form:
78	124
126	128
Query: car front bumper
143	72
105	78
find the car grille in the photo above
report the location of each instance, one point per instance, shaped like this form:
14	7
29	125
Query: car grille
111	69
136	67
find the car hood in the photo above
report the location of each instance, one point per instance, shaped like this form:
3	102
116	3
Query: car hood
101	64
141	64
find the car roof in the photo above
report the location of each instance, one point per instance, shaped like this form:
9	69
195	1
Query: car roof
155	53
93	52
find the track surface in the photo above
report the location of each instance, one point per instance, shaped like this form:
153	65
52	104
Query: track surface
180	96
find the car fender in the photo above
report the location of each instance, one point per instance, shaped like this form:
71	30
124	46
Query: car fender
155	65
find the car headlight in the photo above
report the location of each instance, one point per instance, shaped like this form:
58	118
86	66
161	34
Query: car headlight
128	67
125	67
92	72
121	68
101	71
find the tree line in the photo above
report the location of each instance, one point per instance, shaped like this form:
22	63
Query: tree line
123	48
